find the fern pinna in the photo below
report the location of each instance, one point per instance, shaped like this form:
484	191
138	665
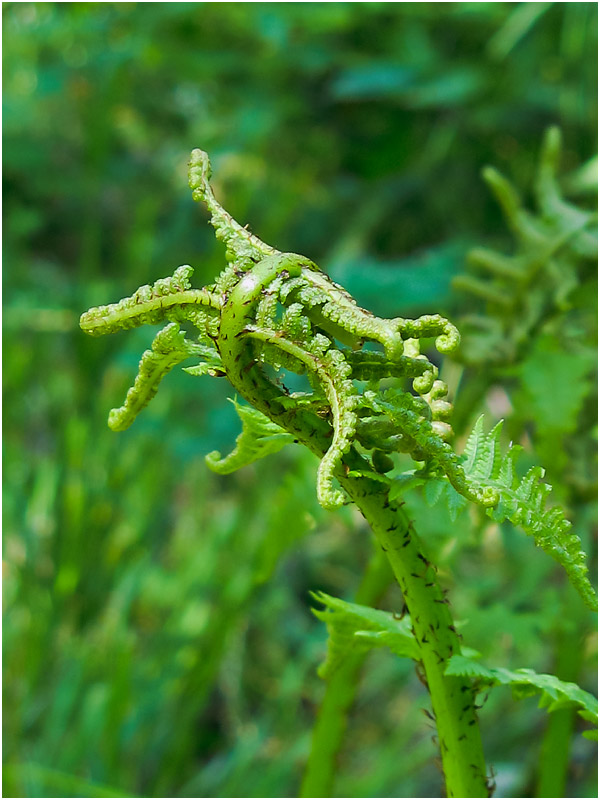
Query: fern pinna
373	394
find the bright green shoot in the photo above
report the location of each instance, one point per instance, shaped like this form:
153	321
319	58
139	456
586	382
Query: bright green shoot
373	394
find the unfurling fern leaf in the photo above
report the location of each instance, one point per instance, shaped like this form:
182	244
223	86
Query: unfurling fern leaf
259	438
555	693
269	310
354	627
169	348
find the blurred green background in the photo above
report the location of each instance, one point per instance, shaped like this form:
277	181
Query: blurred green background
158	639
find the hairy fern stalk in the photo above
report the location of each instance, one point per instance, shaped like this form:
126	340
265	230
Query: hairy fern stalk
270	312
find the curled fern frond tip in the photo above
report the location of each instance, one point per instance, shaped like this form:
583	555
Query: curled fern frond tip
199	169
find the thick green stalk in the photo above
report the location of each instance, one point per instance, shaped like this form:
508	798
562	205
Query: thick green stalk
340	691
555	754
452	698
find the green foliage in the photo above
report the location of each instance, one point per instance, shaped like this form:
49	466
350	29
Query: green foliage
351	132
555	251
555	382
152	304
523	502
169	348
248	293
482	473
353	628
252	332
259	438
555	694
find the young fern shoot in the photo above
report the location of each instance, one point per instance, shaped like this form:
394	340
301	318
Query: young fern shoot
270	311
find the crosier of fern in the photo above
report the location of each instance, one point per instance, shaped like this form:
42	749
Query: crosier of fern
269	313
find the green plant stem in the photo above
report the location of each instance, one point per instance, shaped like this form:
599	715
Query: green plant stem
452	698
340	691
554	754
555	748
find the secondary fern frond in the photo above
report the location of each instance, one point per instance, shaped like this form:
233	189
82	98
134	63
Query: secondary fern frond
523	502
169	348
259	438
554	693
353	627
554	247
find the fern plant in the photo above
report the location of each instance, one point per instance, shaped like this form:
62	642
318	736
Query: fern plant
556	248
535	334
369	393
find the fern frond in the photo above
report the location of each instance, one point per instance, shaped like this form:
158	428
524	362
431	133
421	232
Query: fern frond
523	502
554	693
342	397
243	247
354	627
259	438
169	348
368	365
166	299
421	438
334	375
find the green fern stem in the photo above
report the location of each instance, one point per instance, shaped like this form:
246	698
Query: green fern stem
555	745
452	698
